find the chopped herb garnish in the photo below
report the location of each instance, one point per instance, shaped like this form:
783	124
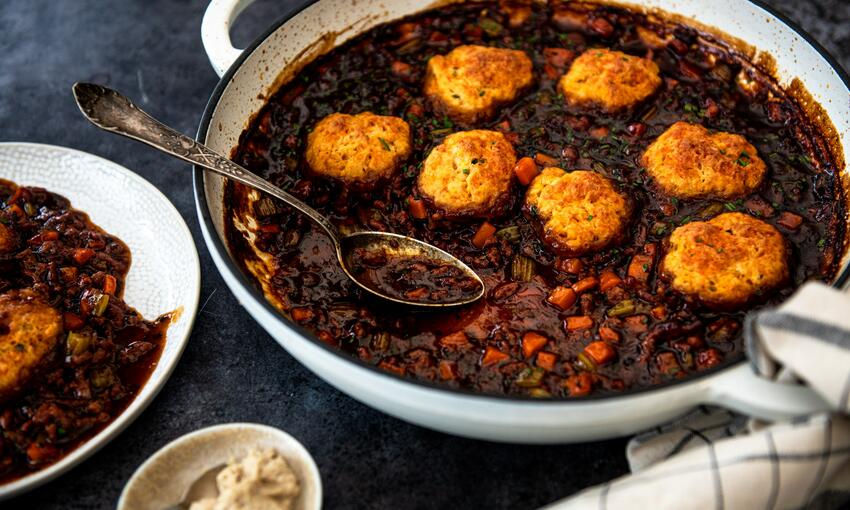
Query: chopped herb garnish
645	268
589	217
743	159
481	93
385	144
465	171
821	243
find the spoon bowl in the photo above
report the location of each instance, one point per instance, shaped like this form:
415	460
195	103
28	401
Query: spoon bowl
413	259
395	247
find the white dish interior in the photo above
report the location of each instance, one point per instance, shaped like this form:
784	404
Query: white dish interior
164	275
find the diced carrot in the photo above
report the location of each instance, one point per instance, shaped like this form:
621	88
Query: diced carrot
109	284
37	454
301	314
546	360
668	364
790	220
416	109
532	342
448	370
17	195
585	284
49	235
562	297
83	255
389	367
72	321
416	206
579	385
572	266
599	132
608	334
545	160
68	273
551	72
400	68
579	322
484	233
558	57
492	356
16	210
457	339
608	279
637	323
600	352
640	267
659	312
526	171
328	338
650	249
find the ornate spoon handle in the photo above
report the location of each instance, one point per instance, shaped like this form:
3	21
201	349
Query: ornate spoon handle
111	111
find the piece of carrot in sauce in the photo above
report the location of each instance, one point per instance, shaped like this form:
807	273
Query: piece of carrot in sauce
72	321
562	297
545	160
83	255
416	207
455	340
608	334
608	279
790	220
109	284
484	233
571	265
578	322
525	170
301	314
532	342
448	370
585	284
579	385
600	352
640	267
547	360
492	356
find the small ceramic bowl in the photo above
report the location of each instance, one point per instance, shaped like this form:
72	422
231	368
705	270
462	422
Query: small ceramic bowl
163	479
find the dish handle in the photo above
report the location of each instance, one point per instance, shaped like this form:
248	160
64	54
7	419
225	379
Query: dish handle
740	389
215	32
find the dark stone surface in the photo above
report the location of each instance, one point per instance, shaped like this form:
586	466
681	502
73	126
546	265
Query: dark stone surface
232	370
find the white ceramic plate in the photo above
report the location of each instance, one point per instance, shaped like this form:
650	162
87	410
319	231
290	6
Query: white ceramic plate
163	479
164	276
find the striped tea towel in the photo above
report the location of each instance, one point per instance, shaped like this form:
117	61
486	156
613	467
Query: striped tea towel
715	459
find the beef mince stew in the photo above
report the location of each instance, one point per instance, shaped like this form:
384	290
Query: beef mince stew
73	354
594	282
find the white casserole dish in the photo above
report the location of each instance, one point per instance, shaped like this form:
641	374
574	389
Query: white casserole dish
249	75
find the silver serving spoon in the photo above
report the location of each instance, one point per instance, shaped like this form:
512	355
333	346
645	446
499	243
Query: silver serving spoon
109	110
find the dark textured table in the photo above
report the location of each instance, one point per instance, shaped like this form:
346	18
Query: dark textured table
232	370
